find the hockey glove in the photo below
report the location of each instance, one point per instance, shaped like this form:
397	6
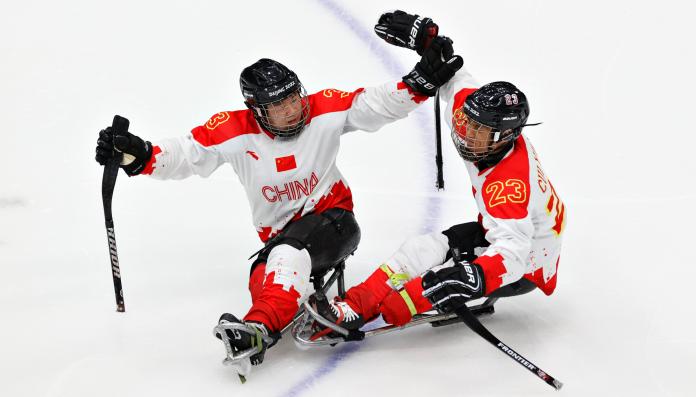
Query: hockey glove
136	152
406	30
451	285
437	65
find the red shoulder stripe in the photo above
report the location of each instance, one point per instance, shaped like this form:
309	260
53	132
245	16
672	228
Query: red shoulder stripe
224	126
331	100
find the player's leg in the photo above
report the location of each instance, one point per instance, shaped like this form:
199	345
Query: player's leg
466	241
256	277
275	294
363	301
279	280
285	286
324	239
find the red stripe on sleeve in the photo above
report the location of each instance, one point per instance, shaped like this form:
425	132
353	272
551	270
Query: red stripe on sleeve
538	278
415	96
493	270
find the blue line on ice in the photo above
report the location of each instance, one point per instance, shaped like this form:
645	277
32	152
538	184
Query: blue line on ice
432	210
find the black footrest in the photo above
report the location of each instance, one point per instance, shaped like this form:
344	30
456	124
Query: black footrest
355	335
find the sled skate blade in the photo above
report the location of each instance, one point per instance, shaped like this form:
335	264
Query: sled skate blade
235	358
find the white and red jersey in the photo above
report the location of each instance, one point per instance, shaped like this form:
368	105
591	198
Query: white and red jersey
520	210
284	179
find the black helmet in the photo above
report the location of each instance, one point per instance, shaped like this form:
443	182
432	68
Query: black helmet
501	107
265	84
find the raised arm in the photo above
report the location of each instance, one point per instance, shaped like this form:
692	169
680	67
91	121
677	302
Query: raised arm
377	106
199	153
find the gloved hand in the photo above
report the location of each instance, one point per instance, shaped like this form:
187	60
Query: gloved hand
136	152
437	65
406	30
452	284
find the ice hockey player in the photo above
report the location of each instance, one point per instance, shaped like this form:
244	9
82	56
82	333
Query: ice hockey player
512	249
283	147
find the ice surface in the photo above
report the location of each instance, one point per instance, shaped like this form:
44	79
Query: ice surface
612	82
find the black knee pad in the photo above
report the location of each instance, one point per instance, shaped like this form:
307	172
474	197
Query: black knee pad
465	237
328	237
334	240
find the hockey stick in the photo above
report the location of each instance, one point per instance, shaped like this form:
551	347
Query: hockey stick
472	322
440	184
120	124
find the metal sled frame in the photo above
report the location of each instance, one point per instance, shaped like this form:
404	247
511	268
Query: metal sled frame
317	280
232	356
302	330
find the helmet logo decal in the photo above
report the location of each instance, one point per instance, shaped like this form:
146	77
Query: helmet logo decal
472	110
511	99
282	89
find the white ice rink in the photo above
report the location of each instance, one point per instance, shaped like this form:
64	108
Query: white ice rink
613	83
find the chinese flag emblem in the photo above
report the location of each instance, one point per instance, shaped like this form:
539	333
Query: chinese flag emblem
285	163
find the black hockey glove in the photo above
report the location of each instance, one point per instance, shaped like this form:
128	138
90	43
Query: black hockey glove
437	65
406	30
451	285
136	152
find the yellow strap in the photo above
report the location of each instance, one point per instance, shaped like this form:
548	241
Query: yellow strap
386	269
409	302
397	280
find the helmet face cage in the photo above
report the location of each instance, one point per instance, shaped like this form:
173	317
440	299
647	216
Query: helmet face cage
490	118
284	117
476	141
